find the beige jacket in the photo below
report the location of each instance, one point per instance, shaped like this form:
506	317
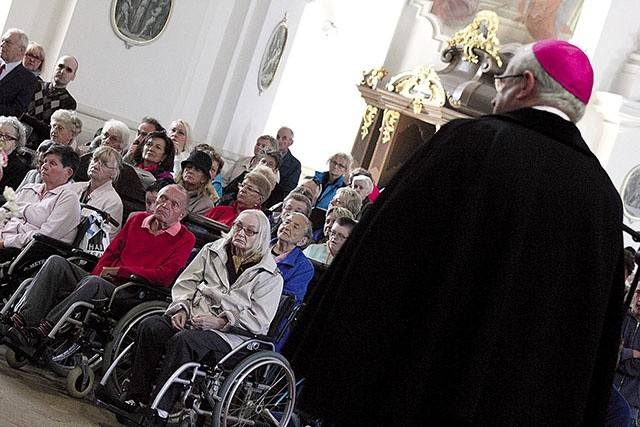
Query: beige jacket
250	303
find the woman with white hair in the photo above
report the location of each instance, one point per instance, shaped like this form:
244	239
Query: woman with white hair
232	282
65	126
362	185
12	137
333	179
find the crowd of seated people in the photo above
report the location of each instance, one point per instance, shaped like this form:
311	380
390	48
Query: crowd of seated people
158	156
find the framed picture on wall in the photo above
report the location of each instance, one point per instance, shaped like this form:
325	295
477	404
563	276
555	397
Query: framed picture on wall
140	22
272	55
630	193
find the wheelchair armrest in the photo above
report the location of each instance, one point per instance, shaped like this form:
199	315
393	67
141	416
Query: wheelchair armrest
79	253
142	287
51	241
139	280
245	333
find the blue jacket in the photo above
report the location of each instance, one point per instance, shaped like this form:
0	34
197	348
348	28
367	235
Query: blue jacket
329	190
297	272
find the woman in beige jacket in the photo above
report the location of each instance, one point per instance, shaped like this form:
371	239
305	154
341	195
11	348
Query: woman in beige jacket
233	281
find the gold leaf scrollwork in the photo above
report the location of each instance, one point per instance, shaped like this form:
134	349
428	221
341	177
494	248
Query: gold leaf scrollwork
389	123
367	120
373	76
423	86
480	34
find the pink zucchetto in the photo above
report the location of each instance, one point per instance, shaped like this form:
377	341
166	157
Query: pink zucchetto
568	65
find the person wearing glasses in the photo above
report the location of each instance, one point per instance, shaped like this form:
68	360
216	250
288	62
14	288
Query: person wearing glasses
49	97
114	134
33	59
325	252
254	189
65	127
232	282
490	272
333	179
13	138
98	192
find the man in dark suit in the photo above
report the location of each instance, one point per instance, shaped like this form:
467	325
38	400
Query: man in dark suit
17	84
290	167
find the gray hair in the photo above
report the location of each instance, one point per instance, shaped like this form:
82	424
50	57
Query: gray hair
548	90
367	184
108	154
23	39
272	141
121	128
352	202
261	245
298	196
18	127
70	119
346	157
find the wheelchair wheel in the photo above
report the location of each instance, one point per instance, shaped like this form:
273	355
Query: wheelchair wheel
124	333
69	344
79	383
15	360
260	390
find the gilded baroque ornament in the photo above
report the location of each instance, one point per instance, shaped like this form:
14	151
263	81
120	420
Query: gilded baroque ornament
367	120
373	76
423	86
480	34
389	123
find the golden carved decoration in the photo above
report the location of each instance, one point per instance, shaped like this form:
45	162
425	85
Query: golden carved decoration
389	123
480	34
367	120
423	86
373	76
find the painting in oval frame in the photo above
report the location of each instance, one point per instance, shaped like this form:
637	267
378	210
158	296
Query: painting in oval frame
630	193
272	55
140	22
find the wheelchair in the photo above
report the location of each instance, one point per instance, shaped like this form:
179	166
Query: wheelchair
27	263
87	331
251	385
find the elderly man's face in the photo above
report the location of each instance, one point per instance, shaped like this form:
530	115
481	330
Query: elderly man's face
112	139
9	49
285	139
64	72
170	206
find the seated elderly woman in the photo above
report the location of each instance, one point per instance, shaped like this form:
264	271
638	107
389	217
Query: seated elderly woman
333	179
233	281
34	176
322	235
13	137
269	158
65	126
98	192
51	208
363	186
296	201
347	198
155	155
325	252
196	179
253	190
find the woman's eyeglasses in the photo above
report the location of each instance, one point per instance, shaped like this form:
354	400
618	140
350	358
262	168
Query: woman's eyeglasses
238	227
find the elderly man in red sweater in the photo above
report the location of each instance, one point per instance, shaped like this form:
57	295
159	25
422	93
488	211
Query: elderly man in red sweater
154	246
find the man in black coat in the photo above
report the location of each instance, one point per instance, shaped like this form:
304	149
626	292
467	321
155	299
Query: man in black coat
485	285
17	84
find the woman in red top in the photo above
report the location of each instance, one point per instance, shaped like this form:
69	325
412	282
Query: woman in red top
253	191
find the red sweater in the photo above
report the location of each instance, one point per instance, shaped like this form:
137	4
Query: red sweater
157	258
227	214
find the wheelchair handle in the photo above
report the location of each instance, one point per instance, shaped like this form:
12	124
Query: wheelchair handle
103	214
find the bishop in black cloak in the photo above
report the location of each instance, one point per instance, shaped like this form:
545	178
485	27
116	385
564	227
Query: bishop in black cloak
485	286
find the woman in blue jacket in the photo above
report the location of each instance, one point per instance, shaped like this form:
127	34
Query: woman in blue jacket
334	178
